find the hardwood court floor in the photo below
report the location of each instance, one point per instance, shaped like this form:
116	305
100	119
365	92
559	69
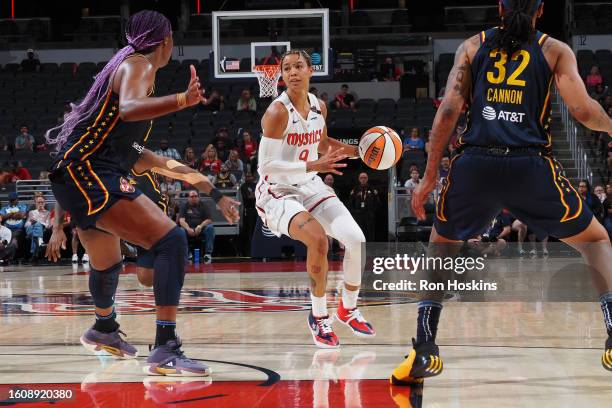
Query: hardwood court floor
248	322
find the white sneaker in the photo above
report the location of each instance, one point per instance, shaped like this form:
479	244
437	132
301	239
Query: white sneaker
85	258
207	259
75	258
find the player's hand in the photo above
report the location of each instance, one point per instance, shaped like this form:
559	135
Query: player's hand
194	93
419	197
229	209
328	163
57	242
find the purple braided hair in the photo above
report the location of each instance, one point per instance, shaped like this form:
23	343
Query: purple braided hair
144	31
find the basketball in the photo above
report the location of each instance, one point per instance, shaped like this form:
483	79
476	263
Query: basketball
380	147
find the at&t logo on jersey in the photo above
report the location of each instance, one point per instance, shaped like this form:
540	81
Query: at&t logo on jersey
490	114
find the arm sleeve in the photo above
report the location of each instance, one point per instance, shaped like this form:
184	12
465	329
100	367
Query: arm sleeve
269	164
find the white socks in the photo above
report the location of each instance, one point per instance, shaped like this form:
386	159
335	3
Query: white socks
319	305
349	298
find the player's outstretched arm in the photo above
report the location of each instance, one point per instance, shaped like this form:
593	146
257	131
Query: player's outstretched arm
458	88
137	77
273	125
583	108
326	142
174	169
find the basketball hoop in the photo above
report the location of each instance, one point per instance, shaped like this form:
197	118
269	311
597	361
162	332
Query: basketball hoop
267	76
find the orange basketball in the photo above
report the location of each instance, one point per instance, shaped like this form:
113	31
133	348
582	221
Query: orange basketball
380	147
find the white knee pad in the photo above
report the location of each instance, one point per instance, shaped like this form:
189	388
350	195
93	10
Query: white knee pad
340	224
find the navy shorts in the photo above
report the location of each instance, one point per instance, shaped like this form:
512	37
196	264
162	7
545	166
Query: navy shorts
87	190
146	258
530	184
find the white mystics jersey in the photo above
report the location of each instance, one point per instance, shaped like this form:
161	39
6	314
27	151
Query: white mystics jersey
300	139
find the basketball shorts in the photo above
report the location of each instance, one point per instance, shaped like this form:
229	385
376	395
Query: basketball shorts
530	184
88	190
277	204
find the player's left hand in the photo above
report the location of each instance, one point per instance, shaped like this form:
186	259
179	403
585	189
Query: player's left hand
57	242
419	197
194	93
229	209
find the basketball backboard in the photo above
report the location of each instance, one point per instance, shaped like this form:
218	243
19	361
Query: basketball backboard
243	39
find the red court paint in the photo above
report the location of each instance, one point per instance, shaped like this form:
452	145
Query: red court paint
228	394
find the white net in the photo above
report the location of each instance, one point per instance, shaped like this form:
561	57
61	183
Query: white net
267	76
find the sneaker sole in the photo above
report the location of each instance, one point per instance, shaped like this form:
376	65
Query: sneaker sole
95	348
174	373
355	332
318	343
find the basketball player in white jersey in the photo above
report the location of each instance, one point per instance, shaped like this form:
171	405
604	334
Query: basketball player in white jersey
292	200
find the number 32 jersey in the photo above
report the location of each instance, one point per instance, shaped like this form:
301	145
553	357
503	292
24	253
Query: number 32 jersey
300	139
510	103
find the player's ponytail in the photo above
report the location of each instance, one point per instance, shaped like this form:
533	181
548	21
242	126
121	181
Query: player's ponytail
144	31
517	28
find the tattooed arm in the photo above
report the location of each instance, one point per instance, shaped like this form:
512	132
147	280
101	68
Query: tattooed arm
458	91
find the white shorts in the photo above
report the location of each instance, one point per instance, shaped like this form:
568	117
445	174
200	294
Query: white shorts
277	204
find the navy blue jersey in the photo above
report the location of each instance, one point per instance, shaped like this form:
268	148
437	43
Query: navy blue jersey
510	101
104	139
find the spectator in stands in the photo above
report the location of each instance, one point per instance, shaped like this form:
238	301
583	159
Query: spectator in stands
195	219
594	78
325	98
38	225
414	142
329	181
166	151
6	175
223	134
249	214
344	99
24	140
75	246
599	93
249	146
210	163
412	182
521	230
224	179
592	201
246	102
170	187
172	209
20	172
30	63
215	102
8	245
190	158
14	215
388	70
233	163
222	150
363	204
494	240
444	168
607	103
